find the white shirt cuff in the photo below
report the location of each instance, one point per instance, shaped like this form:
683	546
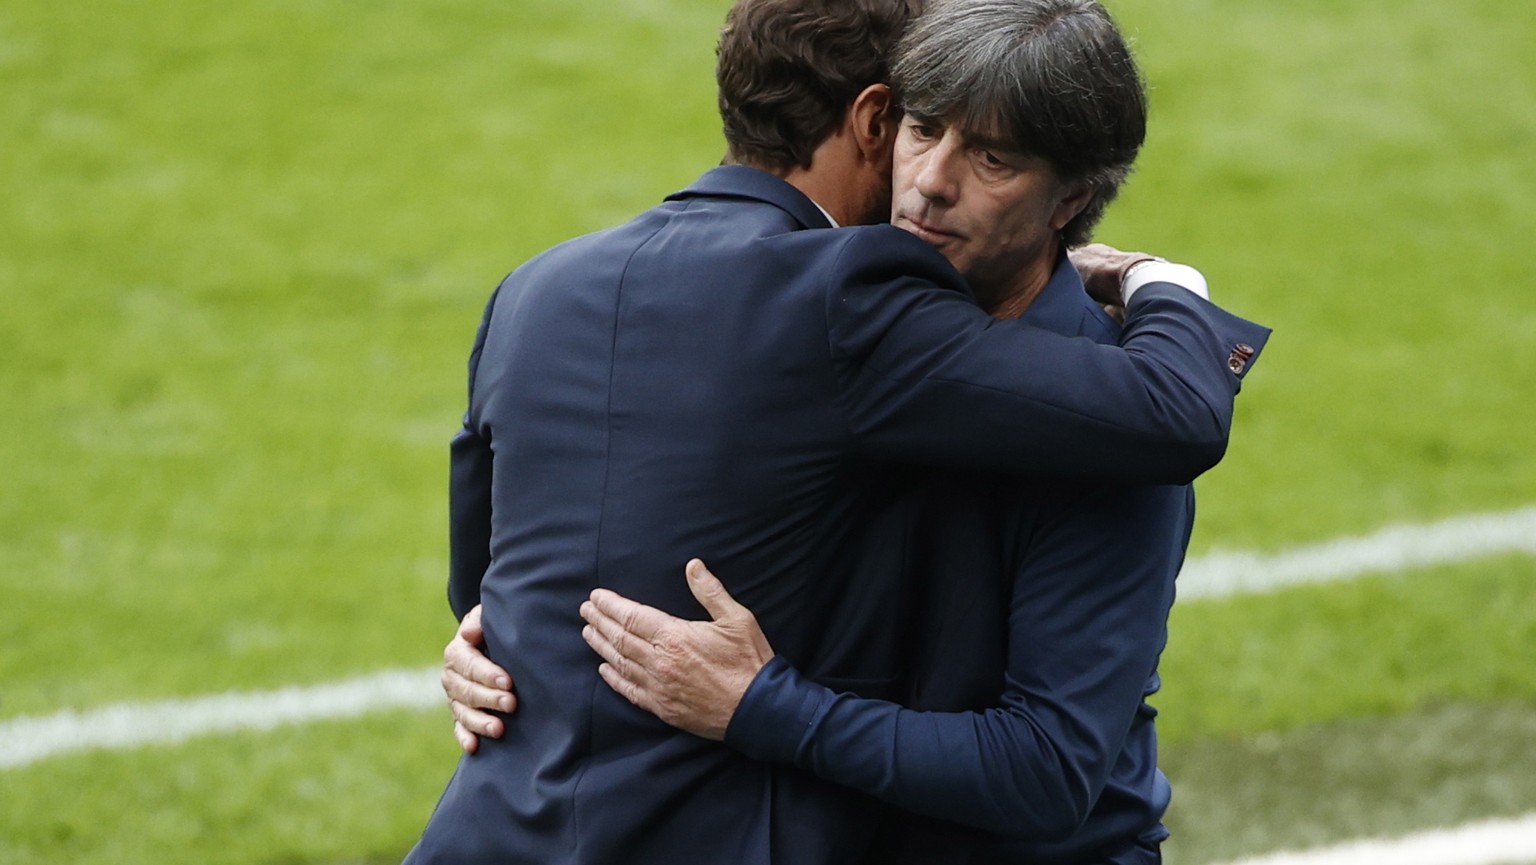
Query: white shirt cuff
1181	275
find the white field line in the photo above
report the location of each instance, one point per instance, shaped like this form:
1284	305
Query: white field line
1495	842
126	725
1392	549
26	740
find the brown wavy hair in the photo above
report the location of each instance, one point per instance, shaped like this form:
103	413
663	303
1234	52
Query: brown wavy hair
789	69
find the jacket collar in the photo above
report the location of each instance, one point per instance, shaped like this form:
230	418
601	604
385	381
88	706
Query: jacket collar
1064	306
739	181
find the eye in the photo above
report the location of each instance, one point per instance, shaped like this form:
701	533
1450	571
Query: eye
990	160
922	131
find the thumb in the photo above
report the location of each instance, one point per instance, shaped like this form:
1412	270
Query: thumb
709	591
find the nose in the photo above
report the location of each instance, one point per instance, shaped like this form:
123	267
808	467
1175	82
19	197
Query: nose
936	178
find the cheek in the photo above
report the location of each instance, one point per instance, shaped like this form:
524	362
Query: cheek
1015	236
906	165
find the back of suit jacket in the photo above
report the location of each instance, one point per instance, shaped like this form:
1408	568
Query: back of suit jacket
712	380
652	393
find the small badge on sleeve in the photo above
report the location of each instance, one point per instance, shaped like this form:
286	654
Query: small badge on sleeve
1238	360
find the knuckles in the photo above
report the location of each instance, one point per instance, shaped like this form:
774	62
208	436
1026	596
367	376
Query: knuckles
664	669
669	644
630	621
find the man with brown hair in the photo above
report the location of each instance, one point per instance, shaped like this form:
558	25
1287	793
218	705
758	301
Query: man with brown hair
718	378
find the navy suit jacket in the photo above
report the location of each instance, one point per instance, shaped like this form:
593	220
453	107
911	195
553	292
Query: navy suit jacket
1045	613
712	379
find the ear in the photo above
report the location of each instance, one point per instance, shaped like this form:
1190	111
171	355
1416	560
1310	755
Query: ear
872	120
1075	197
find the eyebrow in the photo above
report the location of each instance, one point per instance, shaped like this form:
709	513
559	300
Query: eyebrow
974	139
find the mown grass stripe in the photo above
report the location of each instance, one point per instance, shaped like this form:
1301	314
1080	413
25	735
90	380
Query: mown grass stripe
26	740
127	725
1391	549
1494	842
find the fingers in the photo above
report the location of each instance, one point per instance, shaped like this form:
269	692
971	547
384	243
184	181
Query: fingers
636	618
597	637
628	658
605	634
477	696
467	660
635	669
710	592
641	642
689	674
629	689
472	683
469	743
474	721
632	680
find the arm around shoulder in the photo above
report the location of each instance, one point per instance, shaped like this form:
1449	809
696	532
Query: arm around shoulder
926	376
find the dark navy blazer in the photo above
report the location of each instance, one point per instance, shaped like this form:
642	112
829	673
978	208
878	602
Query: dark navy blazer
713	380
1045	612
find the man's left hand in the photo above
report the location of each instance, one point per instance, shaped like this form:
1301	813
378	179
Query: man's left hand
691	675
1103	269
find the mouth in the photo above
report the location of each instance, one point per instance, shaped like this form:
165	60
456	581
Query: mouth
926	231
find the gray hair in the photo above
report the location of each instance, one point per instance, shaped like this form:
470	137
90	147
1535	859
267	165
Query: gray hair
1052	79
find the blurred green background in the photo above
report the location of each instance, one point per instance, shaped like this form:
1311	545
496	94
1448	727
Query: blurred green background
244	247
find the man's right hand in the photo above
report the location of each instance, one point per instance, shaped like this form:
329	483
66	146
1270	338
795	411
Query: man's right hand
474	684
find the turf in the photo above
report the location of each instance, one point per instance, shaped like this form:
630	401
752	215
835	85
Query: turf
1373	776
1356	178
1333	652
255	241
243	248
330	792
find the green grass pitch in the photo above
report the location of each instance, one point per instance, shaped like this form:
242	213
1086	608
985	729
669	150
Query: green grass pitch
244	246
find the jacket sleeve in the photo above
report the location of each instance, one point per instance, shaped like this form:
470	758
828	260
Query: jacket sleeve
1087	623
469	496
926	376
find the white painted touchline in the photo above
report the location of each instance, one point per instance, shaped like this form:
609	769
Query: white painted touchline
1495	842
1394	548
127	725
27	740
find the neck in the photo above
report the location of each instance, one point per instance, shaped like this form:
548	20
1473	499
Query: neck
1010	300
1014	305
828	181
822	190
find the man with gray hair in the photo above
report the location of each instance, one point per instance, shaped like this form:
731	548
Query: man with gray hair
1022	119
